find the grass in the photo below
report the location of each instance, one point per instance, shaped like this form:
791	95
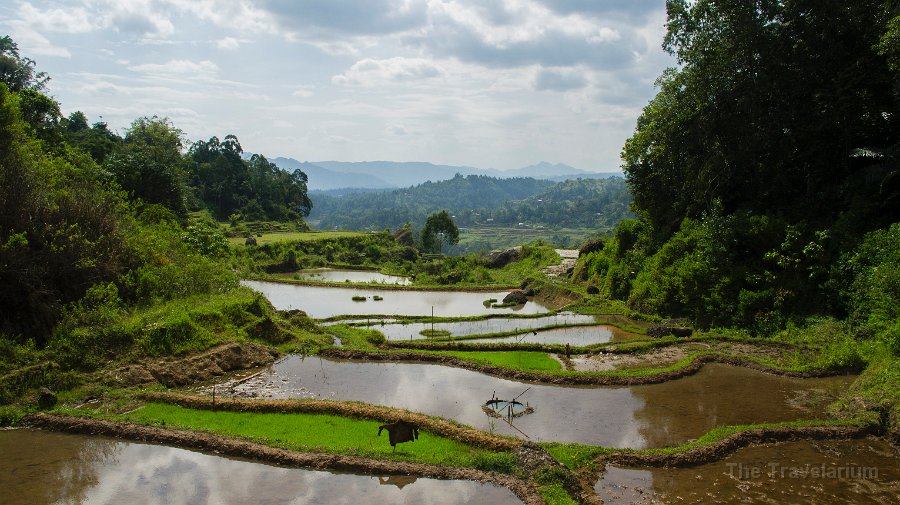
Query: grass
575	456
486	238
306	236
518	360
356	338
555	494
429	333
321	433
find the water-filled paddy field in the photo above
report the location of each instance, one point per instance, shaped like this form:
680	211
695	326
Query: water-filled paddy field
324	301
48	468
347	275
593	334
655	415
805	472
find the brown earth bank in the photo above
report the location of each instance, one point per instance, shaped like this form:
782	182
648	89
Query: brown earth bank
573	379
199	367
614	358
526	491
716	451
358	410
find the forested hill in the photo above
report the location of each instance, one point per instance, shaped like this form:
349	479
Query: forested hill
579	203
479	200
766	171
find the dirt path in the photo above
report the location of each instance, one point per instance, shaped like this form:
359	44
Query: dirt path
527	492
569	258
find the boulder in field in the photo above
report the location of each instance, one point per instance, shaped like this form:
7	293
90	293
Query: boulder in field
517	297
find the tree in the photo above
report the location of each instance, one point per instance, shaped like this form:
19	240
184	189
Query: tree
771	100
149	165
17	72
439	229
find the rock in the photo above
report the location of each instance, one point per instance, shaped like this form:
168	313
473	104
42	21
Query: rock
593	290
681	332
47	399
250	241
499	259
591	246
517	297
658	331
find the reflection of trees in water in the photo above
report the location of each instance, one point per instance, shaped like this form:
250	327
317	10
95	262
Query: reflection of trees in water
686	408
39	467
81	471
678	410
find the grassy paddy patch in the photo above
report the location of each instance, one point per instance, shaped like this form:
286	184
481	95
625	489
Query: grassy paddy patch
322	433
531	361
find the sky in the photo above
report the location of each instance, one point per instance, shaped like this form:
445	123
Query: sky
485	83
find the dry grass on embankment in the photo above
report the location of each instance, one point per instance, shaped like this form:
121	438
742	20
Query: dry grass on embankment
526	491
570	378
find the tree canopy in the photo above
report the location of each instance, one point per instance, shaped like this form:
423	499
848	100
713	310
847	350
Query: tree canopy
765	158
439	230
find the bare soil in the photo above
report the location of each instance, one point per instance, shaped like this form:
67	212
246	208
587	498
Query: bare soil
610	359
526	491
193	368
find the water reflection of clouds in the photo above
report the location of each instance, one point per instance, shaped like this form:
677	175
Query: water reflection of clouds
399	331
634	416
321	302
150	474
593	415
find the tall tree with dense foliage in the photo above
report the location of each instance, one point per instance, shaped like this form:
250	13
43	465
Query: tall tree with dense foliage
439	230
148	163
16	71
765	157
768	112
60	227
257	189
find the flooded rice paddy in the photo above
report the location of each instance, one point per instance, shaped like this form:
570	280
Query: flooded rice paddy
412	331
324	301
846	471
346	275
636	416
47	468
575	335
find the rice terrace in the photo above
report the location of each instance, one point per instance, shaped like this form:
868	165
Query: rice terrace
191	314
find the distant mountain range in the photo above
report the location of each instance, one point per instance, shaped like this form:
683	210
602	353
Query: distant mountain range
367	175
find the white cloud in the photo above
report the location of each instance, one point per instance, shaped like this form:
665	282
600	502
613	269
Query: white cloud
179	68
228	43
370	72
71	20
31	42
396	129
560	79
